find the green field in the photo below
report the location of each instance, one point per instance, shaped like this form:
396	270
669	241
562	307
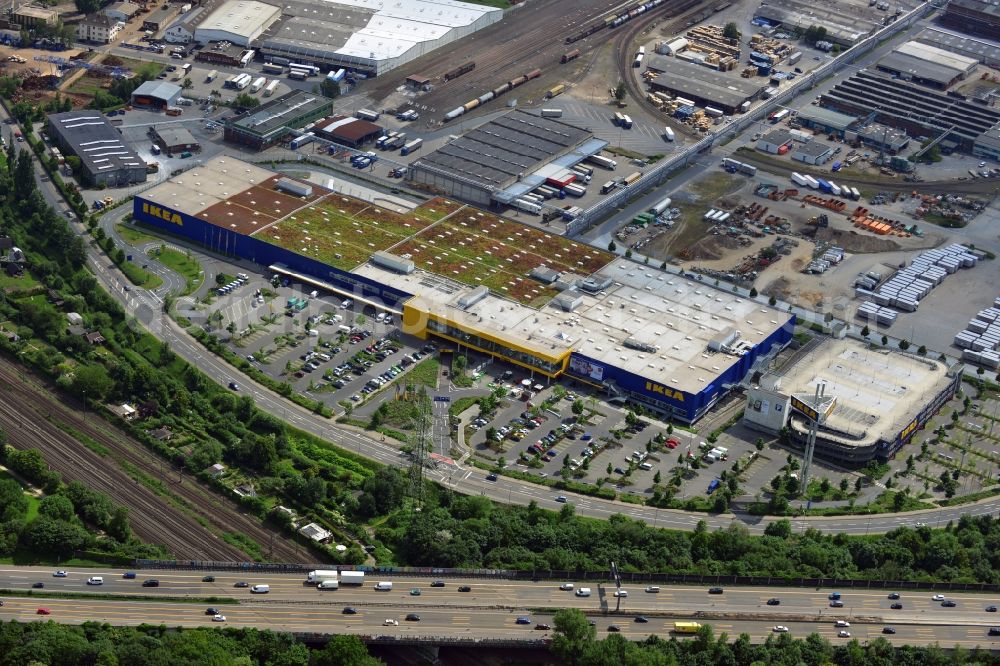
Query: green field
183	264
134	235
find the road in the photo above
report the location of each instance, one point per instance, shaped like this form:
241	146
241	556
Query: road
490	608
146	307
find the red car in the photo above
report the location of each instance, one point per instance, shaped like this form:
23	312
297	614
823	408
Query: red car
672	443
43	611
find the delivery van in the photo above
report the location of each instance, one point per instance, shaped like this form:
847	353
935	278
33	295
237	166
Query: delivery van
260	589
383	586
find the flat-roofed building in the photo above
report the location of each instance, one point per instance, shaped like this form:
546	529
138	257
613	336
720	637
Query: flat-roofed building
98	28
875	400
122	11
347	130
813	152
719	90
34	17
276	120
975	17
105	158
237	21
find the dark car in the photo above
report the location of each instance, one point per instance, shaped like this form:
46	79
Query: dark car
129	575
541	626
349	610
38	586
491	477
894	595
437	583
208	579
211	611
614	627
896	606
888	630
715	590
523	620
233	386
773	602
464	588
412	617
641	619
991	609
242	583
948	603
994	631
152	582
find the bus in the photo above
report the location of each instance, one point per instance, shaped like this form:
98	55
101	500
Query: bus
686	627
619	119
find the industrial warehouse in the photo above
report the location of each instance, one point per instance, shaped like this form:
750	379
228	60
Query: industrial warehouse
504	158
274	121
702	85
105	158
544	302
872	400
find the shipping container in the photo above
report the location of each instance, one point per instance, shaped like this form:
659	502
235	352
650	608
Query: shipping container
712	112
231	81
185	69
603	162
302	140
626	122
411	147
811	182
367	114
795	57
855	194
632	178
527	206
779	115
311	70
668	134
271	87
575	190
608	186
272	68
638	61
258	84
552	113
798	179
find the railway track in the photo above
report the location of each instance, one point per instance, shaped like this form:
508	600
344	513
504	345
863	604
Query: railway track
188	524
624	40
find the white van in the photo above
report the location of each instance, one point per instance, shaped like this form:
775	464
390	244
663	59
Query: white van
328	585
583	592
347	303
95	580
843	623
260	589
344	329
313	333
383	586
645	466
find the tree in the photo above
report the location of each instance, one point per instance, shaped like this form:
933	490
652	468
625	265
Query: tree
344	650
612	247
329	89
572	635
92	382
187	83
865	331
885	340
577	408
621	91
753	292
922	350
246	101
656	477
57	507
54	537
904	345
772	301
759	444
731	31
88	6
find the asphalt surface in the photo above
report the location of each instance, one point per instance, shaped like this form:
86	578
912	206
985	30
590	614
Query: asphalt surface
490	608
146	307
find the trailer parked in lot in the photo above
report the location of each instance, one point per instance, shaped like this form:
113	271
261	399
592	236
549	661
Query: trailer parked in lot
603	162
411	147
668	134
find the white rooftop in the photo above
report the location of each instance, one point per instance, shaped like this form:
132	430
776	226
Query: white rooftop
207	184
240	17
877	392
938	55
676	316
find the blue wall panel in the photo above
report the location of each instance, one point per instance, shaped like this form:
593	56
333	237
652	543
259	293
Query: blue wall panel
231	243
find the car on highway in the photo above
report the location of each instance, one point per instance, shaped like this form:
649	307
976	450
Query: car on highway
991	609
349	610
836	603
938	597
541	626
43	611
523	620
779	629
37	586
242	583
129	575
491	477
464	588
60	574
211	611
994	631
152	582
715	590
652	589
233	386
621	593
415	592
561	498
888	630
208	579
389	622
641	619
843	633
567	586
842	623
614	627
774	601
896	606
218	617
948	603
95	580
894	595
412	617
437	583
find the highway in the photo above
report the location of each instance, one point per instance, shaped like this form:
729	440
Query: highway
146	307
490	608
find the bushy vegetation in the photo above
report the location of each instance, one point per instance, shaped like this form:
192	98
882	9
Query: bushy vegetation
41	644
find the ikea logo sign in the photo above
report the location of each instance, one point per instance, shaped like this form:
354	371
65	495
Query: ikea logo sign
665	391
162	213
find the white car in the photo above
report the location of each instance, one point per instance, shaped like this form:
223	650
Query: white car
938	597
390	623
95	580
982	164
780	629
843	633
218	618
621	593
566	586
842	623
60	574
